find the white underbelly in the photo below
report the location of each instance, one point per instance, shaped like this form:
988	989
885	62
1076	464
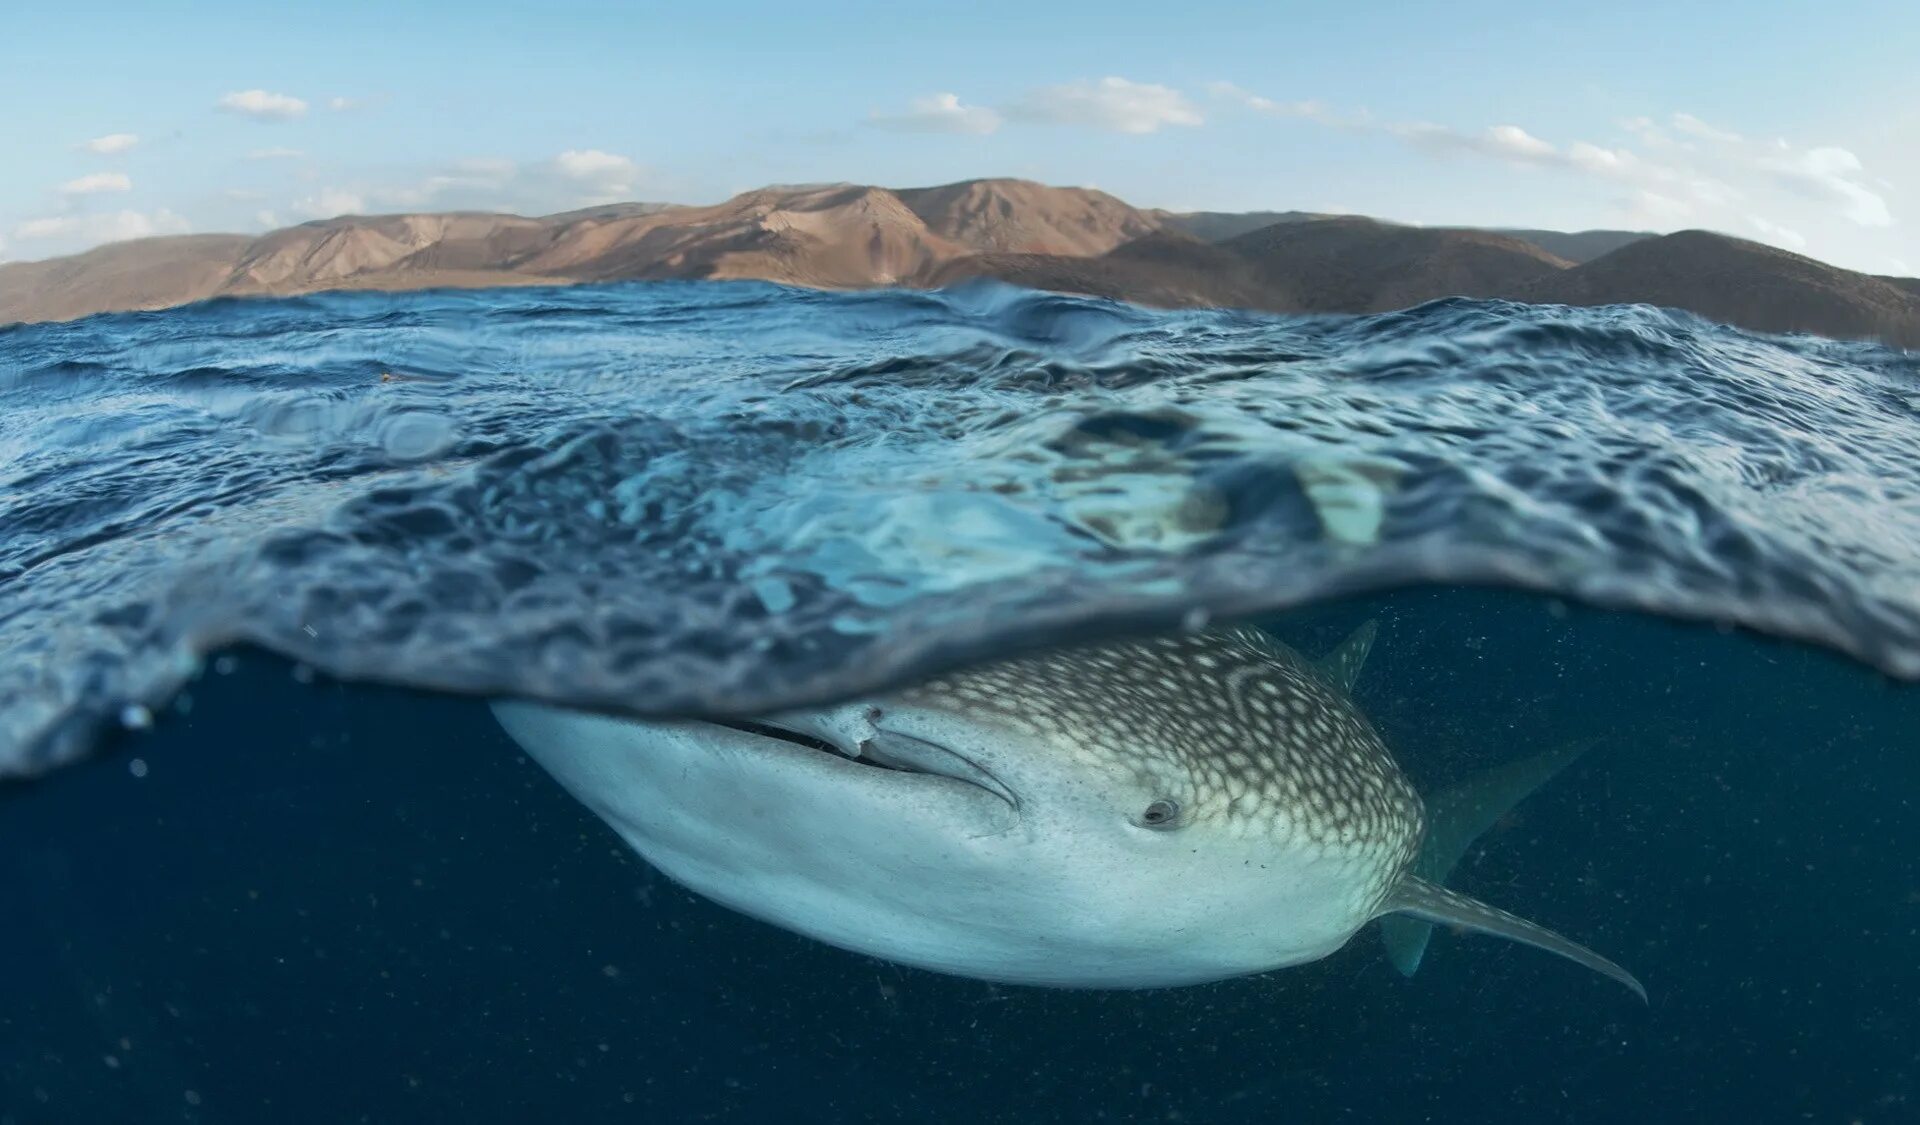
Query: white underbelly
940	876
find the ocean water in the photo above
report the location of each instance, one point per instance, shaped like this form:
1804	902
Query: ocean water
264	854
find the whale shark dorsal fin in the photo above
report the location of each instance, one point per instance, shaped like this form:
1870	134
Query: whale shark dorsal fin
1342	665
1432	902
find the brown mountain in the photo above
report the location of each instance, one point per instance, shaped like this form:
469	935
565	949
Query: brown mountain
1574	246
1165	268
836	236
1577	246
143	273
1351	264
1073	239
833	235
1741	283
1219	226
1329	264
1023	217
313	255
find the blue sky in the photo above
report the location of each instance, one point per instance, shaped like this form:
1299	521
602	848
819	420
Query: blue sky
1793	123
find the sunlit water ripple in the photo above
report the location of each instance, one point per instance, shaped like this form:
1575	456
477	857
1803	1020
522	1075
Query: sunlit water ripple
730	497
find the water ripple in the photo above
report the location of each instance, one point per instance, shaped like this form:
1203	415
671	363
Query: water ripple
694	498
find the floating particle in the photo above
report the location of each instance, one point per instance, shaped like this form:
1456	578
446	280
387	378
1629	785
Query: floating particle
135	716
137	767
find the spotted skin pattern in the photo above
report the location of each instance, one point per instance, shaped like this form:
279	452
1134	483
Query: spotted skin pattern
1234	727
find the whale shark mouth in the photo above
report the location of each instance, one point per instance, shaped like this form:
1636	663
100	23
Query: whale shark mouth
800	738
885	751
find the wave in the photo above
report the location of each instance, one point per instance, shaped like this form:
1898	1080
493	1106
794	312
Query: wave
699	498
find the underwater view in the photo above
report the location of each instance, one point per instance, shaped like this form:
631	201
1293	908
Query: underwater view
727	701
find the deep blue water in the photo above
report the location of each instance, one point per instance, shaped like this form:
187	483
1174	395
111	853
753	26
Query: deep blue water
273	894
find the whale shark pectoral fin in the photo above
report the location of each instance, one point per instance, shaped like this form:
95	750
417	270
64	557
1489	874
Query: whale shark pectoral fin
1455	819
1431	903
1342	665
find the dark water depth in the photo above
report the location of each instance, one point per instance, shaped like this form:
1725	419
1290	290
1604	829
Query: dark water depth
317	903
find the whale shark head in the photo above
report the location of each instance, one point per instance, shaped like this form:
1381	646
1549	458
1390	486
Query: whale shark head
1132	814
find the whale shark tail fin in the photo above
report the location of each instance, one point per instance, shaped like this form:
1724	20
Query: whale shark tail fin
1455	818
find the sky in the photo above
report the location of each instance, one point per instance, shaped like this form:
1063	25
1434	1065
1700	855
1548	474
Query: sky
1792	123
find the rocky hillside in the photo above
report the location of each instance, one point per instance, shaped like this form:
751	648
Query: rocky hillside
1070	239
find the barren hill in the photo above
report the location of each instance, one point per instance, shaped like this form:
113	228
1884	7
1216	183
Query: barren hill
1022	217
1164	268
144	273
1741	283
1073	239
830	235
1576	246
1219	226
1360	265
838	236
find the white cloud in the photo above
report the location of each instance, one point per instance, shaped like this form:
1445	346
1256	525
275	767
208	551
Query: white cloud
339	104
1652	209
111	226
1111	103
940	113
576	178
1310	110
1777	234
592	164
1651	134
1685	170
594	176
1833	175
1512	140
266	219
1600	161
111	143
1899	266
330	202
1507	142
1692	126
93	183
426	191
275	153
263	105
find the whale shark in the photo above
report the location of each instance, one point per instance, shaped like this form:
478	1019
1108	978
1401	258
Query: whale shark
1139	813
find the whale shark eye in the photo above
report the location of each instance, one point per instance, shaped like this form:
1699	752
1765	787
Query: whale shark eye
1160	814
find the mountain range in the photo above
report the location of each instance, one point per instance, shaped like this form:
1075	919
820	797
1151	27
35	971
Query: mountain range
1072	239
